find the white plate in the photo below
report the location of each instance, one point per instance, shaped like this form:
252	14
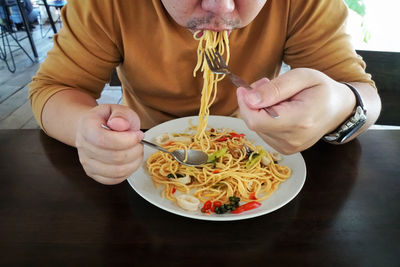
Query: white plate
143	185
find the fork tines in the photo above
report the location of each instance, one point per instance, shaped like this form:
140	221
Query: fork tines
215	60
209	59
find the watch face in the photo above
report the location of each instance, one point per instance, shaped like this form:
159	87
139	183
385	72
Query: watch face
352	124
351	130
348	128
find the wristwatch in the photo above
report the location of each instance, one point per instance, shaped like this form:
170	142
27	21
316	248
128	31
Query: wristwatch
352	124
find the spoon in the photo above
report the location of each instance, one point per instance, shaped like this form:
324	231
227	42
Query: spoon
194	157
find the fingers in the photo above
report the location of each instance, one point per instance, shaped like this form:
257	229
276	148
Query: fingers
123	122
267	93
286	95
258	119
111	140
110	156
109	164
307	102
114	171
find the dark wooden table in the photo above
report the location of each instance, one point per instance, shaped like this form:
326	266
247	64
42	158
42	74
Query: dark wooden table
347	214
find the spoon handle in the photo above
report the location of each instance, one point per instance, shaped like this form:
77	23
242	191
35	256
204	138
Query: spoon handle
150	144
154	146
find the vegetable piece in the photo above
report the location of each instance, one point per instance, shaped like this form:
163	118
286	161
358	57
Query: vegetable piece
221	209
203	210
217	154
265	161
254	158
167	139
233	135
248	206
253	196
207	206
215	204
170	143
216	171
163	138
183	139
188	202
224	208
230	136
276	156
234	199
184	180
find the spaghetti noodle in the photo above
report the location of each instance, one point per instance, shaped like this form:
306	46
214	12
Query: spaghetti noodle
236	167
231	171
220	42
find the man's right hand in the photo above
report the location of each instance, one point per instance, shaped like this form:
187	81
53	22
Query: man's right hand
109	157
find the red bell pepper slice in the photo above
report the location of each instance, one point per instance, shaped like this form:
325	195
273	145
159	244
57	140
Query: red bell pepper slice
170	143
207	205
233	135
245	207
215	204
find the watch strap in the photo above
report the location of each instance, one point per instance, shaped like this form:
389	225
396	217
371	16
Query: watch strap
359	101
351	124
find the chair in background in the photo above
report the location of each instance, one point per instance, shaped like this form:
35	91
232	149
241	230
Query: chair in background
10	41
114	80
57	5
385	70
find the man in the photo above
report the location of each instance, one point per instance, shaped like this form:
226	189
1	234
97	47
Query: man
151	42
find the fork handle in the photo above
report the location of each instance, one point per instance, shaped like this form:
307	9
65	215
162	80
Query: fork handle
239	82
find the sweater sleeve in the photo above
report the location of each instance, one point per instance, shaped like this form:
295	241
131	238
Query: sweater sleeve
83	54
317	39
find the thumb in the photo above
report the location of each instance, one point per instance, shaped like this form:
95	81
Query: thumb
118	123
267	93
123	119
260	94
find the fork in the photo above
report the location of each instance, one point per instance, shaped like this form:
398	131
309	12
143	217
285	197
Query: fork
218	66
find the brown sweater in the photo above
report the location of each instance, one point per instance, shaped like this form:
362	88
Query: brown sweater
155	56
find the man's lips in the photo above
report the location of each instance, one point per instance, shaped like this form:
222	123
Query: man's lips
200	32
